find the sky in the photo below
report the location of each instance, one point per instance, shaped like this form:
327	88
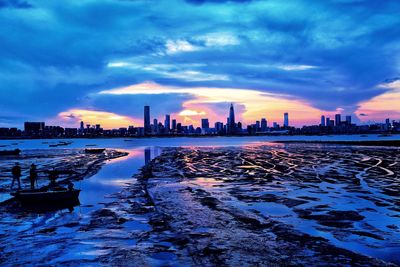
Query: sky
101	61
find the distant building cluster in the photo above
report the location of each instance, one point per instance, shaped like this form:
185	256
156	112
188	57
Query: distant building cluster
171	127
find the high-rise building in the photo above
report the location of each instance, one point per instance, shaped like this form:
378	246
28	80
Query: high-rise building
205	124
33	127
173	124
231	120
338	119
147	127
219	127
167	123
348	120
329	122
82	126
286	119
323	120
264	125
258	126
155	125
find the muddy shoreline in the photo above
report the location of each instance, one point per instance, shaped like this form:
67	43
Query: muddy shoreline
282	204
205	226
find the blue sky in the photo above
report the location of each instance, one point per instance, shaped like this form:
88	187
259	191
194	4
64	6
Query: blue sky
62	61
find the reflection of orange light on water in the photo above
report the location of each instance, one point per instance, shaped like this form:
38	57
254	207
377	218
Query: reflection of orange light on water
205	182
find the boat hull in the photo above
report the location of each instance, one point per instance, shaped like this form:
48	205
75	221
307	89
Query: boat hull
14	152
46	197
94	150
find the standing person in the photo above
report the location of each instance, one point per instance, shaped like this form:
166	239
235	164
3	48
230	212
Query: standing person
33	175
53	175
16	172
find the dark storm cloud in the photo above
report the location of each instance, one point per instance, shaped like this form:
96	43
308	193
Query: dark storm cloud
57	56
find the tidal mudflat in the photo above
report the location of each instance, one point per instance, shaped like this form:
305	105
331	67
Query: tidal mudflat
278	204
258	204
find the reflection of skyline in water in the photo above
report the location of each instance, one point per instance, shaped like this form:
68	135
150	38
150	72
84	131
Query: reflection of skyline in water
147	155
116	174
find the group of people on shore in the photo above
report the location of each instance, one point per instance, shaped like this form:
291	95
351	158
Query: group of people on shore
16	173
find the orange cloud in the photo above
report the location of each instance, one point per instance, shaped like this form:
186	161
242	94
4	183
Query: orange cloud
107	120
383	106
257	104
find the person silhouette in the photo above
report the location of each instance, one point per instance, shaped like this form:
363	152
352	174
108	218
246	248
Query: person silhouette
53	175
16	172
33	175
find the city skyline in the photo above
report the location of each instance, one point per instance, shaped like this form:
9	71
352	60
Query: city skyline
266	57
230	127
231	123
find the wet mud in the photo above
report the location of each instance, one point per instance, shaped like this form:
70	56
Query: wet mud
278	205
261	205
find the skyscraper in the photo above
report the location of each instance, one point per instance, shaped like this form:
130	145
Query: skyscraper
147	127
264	125
174	124
231	120
155	125
219	127
348	120
286	119
167	123
205	124
323	120
338	119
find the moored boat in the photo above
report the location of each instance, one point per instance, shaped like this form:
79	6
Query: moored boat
46	195
14	152
94	150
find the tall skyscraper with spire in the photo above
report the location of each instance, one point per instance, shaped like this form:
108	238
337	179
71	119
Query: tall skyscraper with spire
231	123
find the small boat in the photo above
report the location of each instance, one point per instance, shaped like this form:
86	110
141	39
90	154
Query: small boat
94	150
14	152
64	143
60	144
46	195
91	145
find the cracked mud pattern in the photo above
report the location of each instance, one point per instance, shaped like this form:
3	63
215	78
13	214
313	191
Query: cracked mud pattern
281	204
265	205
